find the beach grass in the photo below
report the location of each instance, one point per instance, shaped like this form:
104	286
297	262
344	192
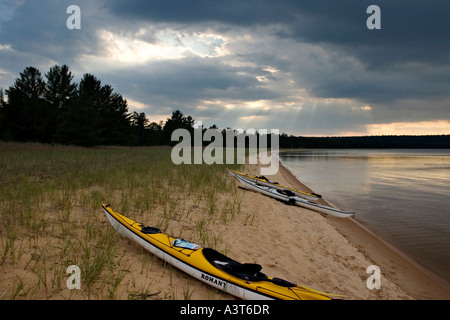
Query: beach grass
51	218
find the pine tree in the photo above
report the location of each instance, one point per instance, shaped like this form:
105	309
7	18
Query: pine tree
96	115
177	121
59	91
80	119
59	87
139	121
26	112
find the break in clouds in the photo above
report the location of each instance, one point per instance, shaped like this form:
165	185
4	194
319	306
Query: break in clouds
304	67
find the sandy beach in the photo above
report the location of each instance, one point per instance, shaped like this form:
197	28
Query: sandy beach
330	253
289	242
302	246
305	247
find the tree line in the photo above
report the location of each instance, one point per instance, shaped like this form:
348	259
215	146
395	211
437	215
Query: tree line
372	142
55	109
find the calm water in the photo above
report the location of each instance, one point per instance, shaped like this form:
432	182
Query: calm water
401	195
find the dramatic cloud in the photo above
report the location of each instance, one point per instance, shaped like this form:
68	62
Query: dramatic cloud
304	67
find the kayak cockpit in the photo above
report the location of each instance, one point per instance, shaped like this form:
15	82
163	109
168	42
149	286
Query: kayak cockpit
245	271
149	230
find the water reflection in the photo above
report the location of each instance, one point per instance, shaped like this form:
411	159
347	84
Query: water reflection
400	194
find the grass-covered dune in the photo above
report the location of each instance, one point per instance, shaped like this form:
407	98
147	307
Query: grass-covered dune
51	218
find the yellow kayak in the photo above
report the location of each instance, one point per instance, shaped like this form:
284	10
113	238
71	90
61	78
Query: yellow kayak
243	280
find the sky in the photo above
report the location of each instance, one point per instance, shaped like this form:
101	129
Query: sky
310	68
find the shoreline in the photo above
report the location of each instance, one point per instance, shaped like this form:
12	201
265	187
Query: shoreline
419	282
289	242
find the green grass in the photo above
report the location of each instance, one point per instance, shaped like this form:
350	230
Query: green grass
50	216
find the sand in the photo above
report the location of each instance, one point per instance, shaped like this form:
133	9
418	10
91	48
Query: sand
296	244
328	253
305	247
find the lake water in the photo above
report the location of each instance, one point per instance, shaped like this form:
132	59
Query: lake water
401	195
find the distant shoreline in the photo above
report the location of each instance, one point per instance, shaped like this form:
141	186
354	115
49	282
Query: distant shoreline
367	142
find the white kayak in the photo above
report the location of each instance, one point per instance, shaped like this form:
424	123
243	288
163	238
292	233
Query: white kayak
261	180
288	196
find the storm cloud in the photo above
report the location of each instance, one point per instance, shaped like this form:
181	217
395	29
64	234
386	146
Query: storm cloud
304	67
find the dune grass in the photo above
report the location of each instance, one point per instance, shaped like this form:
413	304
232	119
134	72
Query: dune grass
50	217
